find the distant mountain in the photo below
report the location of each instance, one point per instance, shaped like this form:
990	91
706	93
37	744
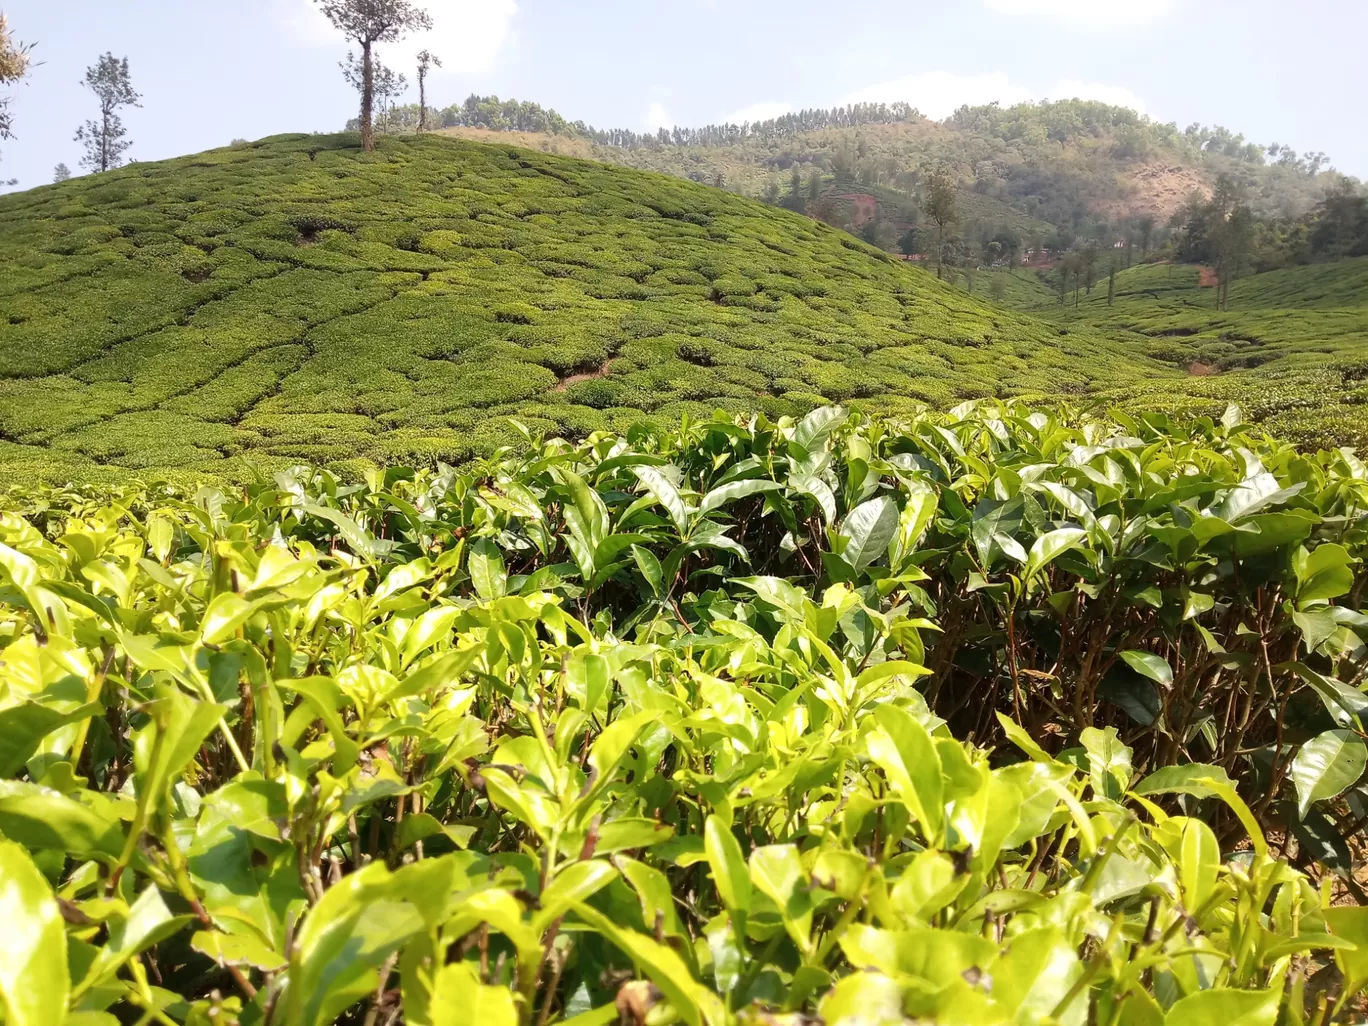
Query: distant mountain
1049	173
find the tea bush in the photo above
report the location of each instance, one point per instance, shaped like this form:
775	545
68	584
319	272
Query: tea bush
662	727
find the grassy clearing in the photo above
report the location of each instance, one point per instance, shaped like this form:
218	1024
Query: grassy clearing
250	308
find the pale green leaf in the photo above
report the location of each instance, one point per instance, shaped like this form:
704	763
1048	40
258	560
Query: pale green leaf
34	978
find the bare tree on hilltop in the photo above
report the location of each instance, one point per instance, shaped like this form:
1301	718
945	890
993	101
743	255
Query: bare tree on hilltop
104	139
368	22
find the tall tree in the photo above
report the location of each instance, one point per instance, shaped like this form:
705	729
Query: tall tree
1089	267
109	80
940	205
1235	242
907	243
1071	271
795	196
1111	281
61	173
389	86
1146	226
386	85
1340	220
427	60
14	65
368	22
1229	228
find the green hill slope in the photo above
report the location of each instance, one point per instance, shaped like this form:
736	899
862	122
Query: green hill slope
298	301
1292	349
1312	314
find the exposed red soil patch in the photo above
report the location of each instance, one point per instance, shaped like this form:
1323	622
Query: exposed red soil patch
1201	370
1207	278
1158	189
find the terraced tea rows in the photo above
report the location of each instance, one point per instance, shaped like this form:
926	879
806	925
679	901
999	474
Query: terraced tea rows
256	307
1292	349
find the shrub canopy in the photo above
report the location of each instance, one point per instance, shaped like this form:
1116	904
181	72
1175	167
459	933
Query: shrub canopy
662	728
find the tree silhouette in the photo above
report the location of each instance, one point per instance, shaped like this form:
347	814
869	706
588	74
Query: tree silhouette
427	60
104	139
939	204
14	65
368	22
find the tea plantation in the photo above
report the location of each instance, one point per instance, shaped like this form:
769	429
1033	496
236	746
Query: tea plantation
1301	334
756	656
296	301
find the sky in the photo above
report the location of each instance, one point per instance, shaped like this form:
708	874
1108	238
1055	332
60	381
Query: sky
1287	71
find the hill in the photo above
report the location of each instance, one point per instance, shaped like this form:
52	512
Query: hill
295	300
1048	172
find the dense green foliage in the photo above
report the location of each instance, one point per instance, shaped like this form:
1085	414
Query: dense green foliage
646	729
297	300
1335	229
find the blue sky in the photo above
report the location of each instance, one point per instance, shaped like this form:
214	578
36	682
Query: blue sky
210	72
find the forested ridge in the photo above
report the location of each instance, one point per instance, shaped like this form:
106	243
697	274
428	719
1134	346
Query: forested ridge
1071	165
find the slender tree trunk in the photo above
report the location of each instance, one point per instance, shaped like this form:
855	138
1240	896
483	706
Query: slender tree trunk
367	98
104	140
422	102
940	251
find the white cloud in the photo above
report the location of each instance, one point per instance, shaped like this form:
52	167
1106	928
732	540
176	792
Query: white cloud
938	94
756	112
658	117
467	35
1105	12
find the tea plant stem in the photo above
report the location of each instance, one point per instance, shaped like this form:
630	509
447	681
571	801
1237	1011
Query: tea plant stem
186	889
373	1013
757	964
1094	966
